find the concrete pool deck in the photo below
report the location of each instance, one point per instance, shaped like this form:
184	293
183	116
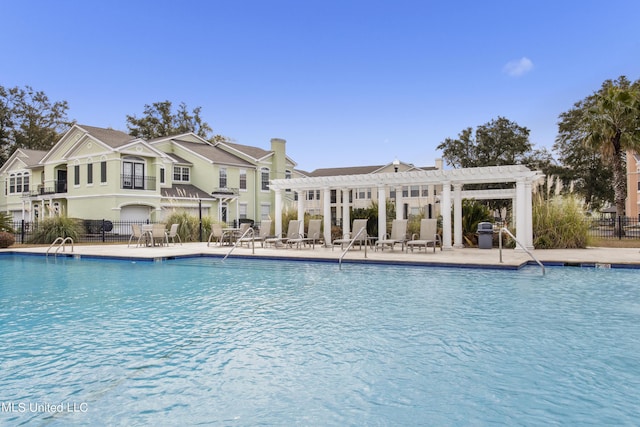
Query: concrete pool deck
466	257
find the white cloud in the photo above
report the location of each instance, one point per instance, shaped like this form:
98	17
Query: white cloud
518	67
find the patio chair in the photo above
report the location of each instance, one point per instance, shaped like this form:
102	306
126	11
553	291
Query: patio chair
357	233
428	236
293	232
313	235
136	233
398	235
265	232
217	234
173	233
159	235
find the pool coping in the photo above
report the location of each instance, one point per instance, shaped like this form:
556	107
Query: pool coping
625	258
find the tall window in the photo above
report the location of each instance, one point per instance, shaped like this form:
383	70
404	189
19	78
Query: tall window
89	173
264	179
223	177
181	173
133	174
76	175
242	210
103	172
161	175
287	175
265	211
25	182
243	179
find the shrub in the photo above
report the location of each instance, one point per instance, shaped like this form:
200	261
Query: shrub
6	222
51	228
189	226
473	213
559	222
6	239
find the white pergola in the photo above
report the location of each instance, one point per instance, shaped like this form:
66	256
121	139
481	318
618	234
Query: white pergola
451	181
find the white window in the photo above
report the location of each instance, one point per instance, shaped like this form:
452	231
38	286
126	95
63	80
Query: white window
181	173
243	179
265	211
287	175
242	210
264	179
223	178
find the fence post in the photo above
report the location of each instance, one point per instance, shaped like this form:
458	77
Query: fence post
103	240
22	232
619	227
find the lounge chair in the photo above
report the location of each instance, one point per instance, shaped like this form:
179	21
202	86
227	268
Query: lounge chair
293	232
136	233
398	235
357	232
173	233
428	236
265	232
313	235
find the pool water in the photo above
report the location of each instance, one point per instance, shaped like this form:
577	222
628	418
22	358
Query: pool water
259	342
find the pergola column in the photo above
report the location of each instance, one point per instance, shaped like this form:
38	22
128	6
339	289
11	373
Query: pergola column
457	216
446	215
346	221
278	212
326	207
521	215
528	215
301	197
382	211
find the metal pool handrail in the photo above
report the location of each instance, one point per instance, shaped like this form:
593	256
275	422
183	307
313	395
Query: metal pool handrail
60	241
521	245
363	229
253	242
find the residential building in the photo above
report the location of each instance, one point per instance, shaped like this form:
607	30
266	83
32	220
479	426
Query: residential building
409	200
96	173
633	185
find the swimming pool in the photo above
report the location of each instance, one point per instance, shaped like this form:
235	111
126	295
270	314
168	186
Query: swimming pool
249	342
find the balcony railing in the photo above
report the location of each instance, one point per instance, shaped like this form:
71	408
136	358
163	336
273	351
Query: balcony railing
137	182
41	190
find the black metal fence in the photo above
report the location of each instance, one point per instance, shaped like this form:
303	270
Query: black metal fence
106	231
94	231
614	228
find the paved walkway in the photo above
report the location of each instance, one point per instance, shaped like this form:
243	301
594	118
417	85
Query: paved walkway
615	257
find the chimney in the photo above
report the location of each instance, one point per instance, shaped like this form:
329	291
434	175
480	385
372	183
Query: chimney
278	146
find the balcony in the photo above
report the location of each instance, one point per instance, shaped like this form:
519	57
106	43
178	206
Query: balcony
57	188
137	182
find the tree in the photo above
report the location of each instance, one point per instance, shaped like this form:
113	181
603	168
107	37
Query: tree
499	142
159	120
607	122
496	143
582	169
29	120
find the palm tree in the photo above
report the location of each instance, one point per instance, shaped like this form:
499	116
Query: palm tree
611	125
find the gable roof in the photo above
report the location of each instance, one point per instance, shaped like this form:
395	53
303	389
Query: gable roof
29	158
256	153
349	170
212	153
113	138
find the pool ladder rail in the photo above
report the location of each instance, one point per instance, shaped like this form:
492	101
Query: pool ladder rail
503	229
59	243
344	252
239	240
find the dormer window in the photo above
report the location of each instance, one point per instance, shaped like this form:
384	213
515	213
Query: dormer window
181	173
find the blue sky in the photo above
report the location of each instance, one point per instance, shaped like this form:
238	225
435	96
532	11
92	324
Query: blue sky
344	82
